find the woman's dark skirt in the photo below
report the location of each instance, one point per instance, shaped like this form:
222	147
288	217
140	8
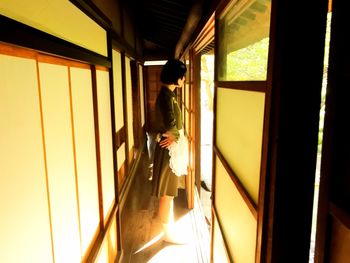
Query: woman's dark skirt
164	181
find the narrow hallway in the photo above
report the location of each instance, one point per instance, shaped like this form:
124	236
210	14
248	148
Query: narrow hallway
142	230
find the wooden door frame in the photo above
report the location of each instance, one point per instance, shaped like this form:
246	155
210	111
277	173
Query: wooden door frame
332	209
258	210
294	122
204	38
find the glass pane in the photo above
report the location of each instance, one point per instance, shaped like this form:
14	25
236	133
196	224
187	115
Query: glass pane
244	41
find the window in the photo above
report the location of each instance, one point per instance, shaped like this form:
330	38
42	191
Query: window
244	41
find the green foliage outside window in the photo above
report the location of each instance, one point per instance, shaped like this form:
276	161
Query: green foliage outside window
249	63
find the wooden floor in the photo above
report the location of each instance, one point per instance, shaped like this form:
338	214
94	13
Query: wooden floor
142	230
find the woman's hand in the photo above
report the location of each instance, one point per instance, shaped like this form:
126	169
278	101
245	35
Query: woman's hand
167	141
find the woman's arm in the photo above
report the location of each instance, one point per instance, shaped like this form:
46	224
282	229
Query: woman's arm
170	123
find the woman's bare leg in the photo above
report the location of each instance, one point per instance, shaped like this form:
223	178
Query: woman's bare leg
166	209
166	214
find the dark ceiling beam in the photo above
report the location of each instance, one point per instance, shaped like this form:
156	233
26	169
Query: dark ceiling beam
199	15
167	42
169	14
191	24
168	9
157	54
163	22
173	3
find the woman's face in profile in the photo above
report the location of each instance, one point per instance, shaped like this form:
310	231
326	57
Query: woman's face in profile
181	82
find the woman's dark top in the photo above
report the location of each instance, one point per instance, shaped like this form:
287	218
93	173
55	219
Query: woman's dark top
168	118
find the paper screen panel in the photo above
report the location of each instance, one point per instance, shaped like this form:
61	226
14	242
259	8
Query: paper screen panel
74	26
121	155
23	193
187	96
85	150
219	250
142	97
112	240
187	119
102	256
182	104
108	250
239	128
106	147
129	103
238	224
118	90
54	85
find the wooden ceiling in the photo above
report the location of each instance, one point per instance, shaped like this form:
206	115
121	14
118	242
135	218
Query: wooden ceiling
165	23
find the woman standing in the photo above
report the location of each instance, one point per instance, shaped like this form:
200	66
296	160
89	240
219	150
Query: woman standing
170	156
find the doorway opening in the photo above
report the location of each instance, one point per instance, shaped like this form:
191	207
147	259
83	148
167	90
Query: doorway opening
206	102
320	136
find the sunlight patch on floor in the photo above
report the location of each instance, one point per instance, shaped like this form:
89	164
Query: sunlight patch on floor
171	254
174	252
150	243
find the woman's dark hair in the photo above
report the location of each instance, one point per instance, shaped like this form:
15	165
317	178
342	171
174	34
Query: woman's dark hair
172	71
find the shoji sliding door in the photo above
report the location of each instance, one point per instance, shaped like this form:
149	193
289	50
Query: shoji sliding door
85	152
105	132
60	161
109	246
23	182
333	220
57	183
119	118
129	112
142	97
239	126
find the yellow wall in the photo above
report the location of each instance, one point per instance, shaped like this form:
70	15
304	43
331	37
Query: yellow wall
58	18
